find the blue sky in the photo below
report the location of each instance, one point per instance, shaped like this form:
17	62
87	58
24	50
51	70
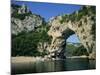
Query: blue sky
48	10
73	38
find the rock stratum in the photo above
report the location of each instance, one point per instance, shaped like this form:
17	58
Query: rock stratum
82	23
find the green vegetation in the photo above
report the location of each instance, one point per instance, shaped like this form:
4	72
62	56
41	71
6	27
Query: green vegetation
69	49
73	50
21	16
15	13
80	51
76	16
15	6
65	18
25	44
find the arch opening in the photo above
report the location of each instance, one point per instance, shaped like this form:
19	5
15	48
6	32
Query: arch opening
74	47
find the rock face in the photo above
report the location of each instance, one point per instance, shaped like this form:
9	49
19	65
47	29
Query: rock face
43	46
81	23
19	9
27	22
24	9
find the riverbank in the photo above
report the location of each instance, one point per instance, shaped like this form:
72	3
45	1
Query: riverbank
83	56
22	59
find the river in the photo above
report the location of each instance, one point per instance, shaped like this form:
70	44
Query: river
53	66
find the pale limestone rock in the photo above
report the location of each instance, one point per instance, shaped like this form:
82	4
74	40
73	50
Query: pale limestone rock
28	24
23	9
42	46
83	28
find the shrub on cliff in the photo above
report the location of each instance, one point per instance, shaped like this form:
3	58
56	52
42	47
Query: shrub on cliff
77	15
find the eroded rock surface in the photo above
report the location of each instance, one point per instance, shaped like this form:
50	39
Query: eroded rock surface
23	20
81	23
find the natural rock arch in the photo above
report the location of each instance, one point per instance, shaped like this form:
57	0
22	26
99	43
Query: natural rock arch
63	26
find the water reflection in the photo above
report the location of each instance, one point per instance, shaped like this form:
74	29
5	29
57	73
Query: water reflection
53	66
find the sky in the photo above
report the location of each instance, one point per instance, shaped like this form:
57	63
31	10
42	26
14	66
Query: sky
73	38
48	10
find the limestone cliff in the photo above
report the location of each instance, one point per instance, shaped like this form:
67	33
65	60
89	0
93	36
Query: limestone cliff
81	23
23	20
